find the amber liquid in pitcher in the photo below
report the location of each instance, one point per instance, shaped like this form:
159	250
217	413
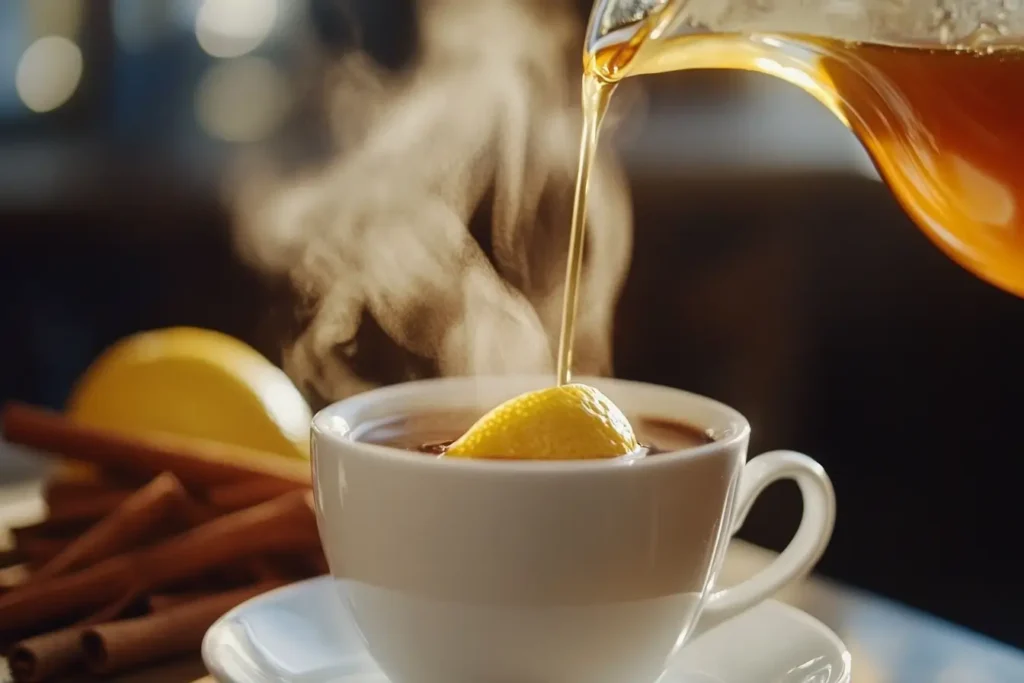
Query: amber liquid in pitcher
944	127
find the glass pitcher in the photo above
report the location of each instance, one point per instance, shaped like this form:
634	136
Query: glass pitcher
934	90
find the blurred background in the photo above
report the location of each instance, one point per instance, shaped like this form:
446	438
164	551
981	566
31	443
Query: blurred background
770	268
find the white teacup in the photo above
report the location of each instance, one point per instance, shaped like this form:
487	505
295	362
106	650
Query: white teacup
594	571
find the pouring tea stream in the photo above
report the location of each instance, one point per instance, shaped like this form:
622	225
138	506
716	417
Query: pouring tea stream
931	88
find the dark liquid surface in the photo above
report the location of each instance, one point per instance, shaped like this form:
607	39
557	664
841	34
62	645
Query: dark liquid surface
430	433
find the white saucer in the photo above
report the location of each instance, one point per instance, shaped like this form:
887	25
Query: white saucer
303	634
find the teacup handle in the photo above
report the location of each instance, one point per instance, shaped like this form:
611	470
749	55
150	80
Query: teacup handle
802	552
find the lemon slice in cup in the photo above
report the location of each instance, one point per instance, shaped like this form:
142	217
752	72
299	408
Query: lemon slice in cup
568	422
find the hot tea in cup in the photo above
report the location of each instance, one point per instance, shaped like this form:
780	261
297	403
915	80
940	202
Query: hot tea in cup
473	570
432	432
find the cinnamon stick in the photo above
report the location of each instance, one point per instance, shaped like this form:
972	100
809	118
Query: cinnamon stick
77	473
267	569
24	534
37	551
196	513
76	512
293	566
196	462
284	524
120	645
161	602
281	525
138	517
45	656
61	488
243	494
35	605
249	570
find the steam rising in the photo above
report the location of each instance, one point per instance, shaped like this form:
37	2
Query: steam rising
444	217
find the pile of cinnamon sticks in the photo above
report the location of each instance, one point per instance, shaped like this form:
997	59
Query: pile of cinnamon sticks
132	565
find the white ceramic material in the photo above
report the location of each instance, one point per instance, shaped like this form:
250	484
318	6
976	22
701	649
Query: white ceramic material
304	634
595	571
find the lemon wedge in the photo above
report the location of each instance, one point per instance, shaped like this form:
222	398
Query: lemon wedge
194	382
568	422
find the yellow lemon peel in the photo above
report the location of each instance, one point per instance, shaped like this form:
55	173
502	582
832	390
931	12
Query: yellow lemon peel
194	382
568	422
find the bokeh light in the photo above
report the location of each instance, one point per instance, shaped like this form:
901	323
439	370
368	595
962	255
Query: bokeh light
48	73
232	28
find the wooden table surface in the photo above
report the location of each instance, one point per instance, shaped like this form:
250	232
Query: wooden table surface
889	643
